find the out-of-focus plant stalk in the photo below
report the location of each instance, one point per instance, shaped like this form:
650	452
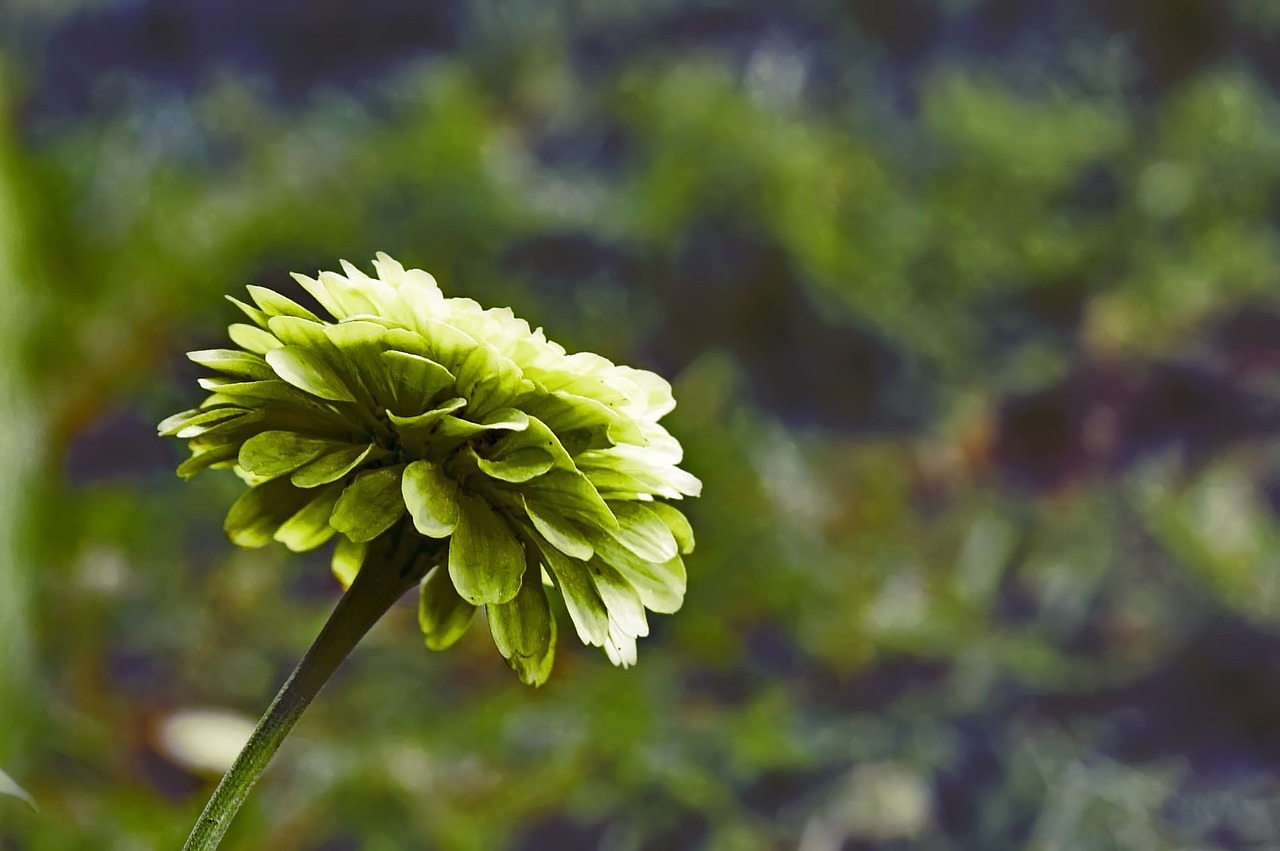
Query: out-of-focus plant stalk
19	427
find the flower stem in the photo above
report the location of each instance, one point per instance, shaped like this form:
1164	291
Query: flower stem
380	582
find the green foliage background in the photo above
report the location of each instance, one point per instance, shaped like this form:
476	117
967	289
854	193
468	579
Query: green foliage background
978	357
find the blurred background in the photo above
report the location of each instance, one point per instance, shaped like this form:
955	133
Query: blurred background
972	308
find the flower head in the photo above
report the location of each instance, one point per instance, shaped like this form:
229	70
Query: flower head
510	464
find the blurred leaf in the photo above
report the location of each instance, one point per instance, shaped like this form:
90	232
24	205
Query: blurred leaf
11	788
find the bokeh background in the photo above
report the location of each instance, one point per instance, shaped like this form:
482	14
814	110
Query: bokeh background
971	310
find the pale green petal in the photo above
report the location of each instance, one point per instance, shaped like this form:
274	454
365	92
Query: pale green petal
307	371
310	528
349	298
558	530
661	585
216	381
422	425
227	431
503	419
658	400
274	453
194	430
421	296
620	646
489	380
522	455
677	523
563	413
207	458
188	424
252	338
358	339
406	340
302	333
432	499
446	345
570	494
233	362
586	608
629	469
370	505
274	304
442	614
273	390
626	610
643	532
486	560
362	346
259	317
254	518
378	295
510	419
524	632
348	557
320	293
331	467
268	418
518	466
418	378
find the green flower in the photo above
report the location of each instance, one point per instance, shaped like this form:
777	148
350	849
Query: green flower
411	418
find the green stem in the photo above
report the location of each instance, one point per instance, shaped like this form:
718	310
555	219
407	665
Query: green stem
380	582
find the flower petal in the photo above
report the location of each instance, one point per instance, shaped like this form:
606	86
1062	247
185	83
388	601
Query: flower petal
418	378
486	561
233	362
253	519
361	345
310	528
305	370
273	390
620	648
348	297
572	495
259	317
274	304
626	611
518	466
442	614
348	558
677	523
432	499
643	532
558	530
192	423
537	434
330	467
229	431
370	505
489	380
586	609
421	427
503	419
274	453
211	457
252	338
661	585
303	333
524	632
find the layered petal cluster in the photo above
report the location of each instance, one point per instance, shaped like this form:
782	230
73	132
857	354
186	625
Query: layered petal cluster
408	412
